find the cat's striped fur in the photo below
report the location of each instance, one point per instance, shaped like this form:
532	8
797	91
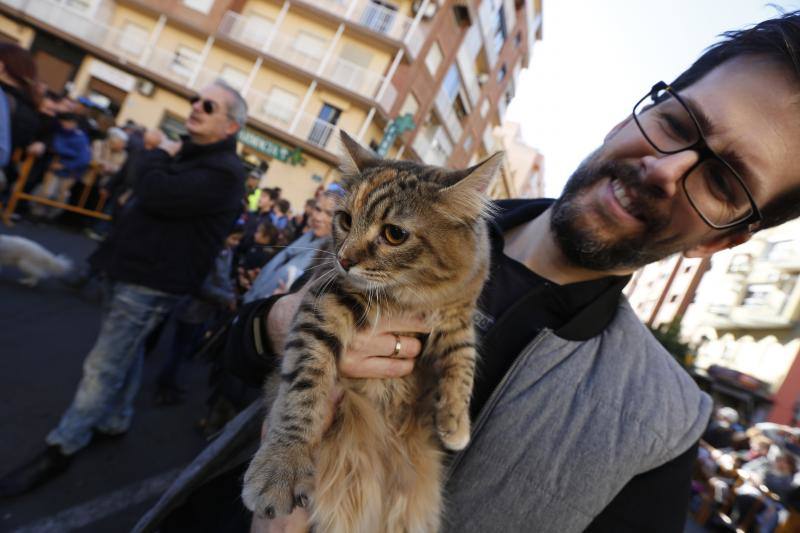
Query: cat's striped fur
378	467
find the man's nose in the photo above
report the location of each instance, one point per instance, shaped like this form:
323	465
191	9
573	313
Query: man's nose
663	172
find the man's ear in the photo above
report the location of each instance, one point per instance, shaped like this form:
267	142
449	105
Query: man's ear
715	244
616	128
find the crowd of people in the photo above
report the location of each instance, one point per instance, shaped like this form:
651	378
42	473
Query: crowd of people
192	235
747	477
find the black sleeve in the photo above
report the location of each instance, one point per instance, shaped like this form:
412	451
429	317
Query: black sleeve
248	352
656	501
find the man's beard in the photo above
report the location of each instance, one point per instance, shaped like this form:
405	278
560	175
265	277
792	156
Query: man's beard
577	236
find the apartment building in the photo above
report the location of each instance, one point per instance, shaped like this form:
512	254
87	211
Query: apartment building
661	292
746	315
424	79
523	169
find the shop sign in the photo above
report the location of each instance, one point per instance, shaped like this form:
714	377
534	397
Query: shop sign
395	127
268	147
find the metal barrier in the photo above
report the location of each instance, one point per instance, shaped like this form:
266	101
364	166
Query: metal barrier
19	193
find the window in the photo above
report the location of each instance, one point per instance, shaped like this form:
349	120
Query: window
451	83
310	45
256	28
281	105
500	31
185	61
379	16
468	143
410	106
323	126
203	6
434	58
501	73
235	77
673	298
133	38
459	107
461	14
352	68
518	39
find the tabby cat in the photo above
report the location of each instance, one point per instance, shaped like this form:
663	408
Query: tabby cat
407	238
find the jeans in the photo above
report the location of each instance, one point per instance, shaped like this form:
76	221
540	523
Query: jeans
187	340
112	372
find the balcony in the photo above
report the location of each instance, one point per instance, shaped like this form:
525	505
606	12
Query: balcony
447	114
433	146
301	125
375	18
282	47
184	71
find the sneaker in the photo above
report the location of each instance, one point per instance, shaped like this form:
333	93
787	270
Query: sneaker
92	234
47	465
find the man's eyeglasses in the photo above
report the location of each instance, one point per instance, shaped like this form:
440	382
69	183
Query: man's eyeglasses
208	106
714	189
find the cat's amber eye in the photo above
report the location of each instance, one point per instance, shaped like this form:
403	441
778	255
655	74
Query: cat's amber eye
394	235
345	221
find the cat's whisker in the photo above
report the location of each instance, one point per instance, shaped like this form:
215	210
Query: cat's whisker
305	248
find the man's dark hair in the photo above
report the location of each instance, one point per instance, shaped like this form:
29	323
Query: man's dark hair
284	205
779	40
272	193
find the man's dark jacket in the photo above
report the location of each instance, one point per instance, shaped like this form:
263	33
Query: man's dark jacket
182	209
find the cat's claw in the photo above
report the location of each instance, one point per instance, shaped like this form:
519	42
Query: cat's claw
277	480
453	428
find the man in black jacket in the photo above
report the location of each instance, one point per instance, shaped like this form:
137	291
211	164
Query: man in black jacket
186	199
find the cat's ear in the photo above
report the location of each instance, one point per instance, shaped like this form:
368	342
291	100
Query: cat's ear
355	158
467	194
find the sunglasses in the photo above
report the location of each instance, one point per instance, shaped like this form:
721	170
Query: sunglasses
209	106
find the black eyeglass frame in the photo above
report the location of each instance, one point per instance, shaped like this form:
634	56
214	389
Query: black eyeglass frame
209	106
704	152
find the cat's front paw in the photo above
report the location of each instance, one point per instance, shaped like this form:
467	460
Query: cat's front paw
452	426
278	479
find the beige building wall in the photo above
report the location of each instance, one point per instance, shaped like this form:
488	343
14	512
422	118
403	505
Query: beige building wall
525	172
123	15
150	111
267	10
21	33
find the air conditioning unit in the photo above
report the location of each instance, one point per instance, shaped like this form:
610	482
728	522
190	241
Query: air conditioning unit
145	87
430	10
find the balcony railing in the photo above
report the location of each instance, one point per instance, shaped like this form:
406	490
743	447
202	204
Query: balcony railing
368	14
448	115
181	70
283	47
301	125
433	146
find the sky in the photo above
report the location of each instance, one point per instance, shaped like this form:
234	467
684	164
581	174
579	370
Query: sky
597	58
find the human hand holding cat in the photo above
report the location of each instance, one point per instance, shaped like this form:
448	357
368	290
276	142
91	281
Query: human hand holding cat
371	353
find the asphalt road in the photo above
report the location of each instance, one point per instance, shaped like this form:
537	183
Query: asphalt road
45	333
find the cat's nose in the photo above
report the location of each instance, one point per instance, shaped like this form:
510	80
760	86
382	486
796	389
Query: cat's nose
346	263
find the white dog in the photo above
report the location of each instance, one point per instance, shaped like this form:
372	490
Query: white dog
32	259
